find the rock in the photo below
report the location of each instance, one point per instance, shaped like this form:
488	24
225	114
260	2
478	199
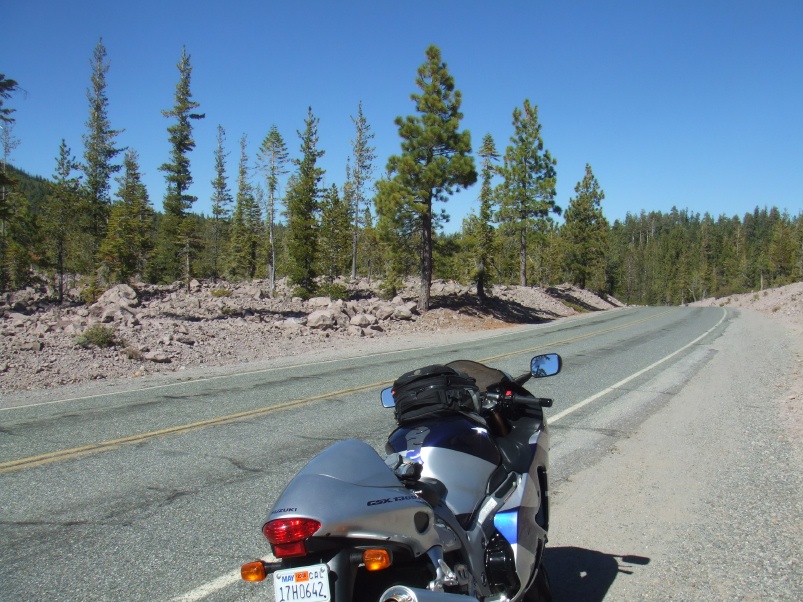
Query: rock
402	313
122	294
323	319
33	346
355	331
383	311
159	357
363	320
319	302
255	292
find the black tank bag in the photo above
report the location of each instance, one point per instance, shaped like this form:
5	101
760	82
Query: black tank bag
433	391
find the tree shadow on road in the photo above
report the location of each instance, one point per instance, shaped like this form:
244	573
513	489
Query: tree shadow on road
507	311
580	575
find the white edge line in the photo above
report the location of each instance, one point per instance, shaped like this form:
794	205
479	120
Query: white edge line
210	587
588	400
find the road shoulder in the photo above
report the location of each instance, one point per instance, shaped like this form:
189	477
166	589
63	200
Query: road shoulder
703	500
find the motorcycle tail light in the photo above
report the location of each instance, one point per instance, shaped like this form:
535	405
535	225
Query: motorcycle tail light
287	535
376	559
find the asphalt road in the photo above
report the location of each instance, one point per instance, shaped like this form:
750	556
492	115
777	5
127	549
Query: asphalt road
159	493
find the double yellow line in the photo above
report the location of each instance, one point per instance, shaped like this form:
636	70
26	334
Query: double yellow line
75	452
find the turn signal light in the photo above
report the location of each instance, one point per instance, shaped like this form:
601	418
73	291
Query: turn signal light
376	559
253	571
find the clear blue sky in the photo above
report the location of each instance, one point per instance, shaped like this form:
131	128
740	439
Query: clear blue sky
691	103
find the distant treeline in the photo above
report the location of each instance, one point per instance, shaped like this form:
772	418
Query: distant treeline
92	223
652	258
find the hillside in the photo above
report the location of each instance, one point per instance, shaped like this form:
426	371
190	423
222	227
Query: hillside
159	329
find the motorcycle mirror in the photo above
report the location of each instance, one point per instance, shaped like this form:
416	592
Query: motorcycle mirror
548	364
387	398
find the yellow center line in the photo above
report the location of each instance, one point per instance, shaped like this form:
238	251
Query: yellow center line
56	456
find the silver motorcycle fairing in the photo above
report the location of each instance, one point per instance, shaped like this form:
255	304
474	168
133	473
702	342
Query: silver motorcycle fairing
516	518
455	450
350	490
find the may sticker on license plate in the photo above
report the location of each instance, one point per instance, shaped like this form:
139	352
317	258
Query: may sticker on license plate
308	583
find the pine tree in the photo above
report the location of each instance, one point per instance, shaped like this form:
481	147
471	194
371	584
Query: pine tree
335	233
484	230
527	194
245	222
364	157
58	218
586	233
7	194
99	152
271	159
124	250
7	88
221	202
435	162
302	207
177	237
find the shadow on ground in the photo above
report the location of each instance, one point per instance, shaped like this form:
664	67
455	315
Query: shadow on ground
507	311
580	575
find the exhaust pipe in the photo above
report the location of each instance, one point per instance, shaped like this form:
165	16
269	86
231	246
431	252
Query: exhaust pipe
400	593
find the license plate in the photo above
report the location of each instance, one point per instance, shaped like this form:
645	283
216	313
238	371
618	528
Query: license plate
308	583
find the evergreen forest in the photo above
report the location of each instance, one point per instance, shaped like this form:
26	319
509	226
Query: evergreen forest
92	223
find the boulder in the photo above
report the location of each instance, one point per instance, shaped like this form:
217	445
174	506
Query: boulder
319	302
363	320
159	357
355	331
383	311
402	313
122	294
322	318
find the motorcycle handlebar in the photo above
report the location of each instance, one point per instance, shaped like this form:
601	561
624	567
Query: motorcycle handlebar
516	399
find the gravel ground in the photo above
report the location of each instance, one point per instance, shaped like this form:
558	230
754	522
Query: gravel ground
703	500
196	331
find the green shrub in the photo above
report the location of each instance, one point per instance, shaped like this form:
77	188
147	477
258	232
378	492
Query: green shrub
335	291
97	336
302	291
222	292
389	288
91	293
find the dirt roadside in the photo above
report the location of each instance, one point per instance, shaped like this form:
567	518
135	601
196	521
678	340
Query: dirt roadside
702	501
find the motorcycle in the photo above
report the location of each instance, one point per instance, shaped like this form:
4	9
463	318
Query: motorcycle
457	511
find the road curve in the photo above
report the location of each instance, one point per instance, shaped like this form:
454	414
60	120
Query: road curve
158	493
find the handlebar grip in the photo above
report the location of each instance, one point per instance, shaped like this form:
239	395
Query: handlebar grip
525	400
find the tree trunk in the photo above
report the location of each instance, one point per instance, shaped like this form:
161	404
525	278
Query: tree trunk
354	255
523	258
426	260
271	260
